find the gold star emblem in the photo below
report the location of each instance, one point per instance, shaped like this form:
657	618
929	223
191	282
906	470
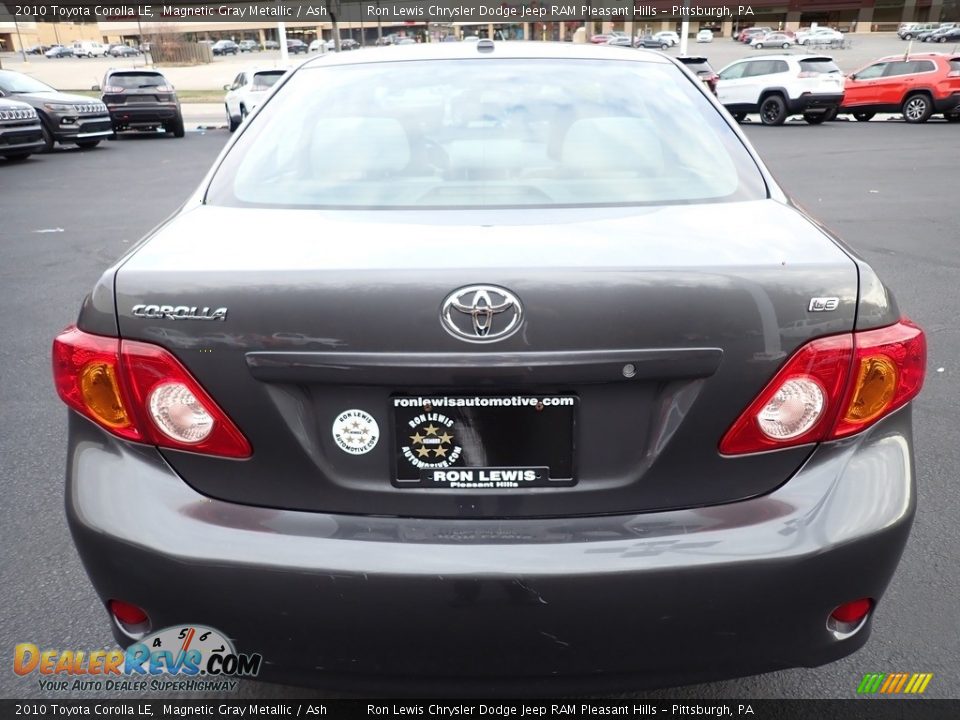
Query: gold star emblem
445	439
431	430
440	451
416	439
423	452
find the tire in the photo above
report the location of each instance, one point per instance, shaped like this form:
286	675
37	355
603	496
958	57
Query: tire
773	110
232	123
952	117
941	39
816	118
48	140
785	46
87	144
243	113
664	46
175	128
863	116
759	46
739	117
908	36
917	108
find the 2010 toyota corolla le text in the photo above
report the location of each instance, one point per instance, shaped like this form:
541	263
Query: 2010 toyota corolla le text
680	452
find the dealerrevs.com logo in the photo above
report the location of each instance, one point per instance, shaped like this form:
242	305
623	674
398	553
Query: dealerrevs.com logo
180	658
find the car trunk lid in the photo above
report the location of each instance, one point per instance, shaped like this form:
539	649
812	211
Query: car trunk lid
645	333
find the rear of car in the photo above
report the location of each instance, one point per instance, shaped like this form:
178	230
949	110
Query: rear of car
142	100
224	47
496	385
701	67
20	130
778	86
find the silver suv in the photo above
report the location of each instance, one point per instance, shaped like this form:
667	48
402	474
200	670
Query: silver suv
778	86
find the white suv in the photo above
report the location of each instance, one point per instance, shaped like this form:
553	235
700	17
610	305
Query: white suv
778	86
248	90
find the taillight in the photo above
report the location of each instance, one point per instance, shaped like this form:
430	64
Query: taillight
833	387
141	392
164	88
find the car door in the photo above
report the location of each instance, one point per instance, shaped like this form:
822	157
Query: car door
898	78
863	87
234	95
732	88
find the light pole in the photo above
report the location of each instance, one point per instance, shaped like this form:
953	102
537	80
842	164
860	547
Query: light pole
23	51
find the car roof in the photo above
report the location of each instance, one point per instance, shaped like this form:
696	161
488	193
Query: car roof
501	49
915	56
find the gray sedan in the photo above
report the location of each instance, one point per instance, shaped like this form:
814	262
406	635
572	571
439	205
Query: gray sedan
451	374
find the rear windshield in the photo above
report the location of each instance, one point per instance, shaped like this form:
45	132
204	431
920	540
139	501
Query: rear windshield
486	133
137	80
820	65
955	65
698	66
267	79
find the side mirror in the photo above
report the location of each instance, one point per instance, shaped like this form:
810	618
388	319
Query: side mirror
853	76
226	87
95	87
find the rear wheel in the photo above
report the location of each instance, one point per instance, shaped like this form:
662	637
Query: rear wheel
87	144
759	46
785	46
952	117
773	110
863	116
917	108
175	128
739	117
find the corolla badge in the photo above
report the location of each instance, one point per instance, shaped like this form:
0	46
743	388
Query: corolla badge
178	312
481	313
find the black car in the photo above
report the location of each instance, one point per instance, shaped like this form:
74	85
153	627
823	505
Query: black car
701	67
67	119
297	46
225	47
141	100
20	131
36	49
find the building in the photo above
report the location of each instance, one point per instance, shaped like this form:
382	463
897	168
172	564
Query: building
860	16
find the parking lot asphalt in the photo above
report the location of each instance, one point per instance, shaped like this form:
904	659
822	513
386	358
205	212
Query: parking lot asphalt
886	187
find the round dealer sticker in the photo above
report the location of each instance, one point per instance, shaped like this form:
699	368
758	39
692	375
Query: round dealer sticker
356	432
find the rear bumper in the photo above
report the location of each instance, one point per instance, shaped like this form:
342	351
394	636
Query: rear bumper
132	115
20	138
469	605
951	103
811	102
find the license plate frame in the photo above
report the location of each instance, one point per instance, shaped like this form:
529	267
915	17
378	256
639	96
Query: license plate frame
504	443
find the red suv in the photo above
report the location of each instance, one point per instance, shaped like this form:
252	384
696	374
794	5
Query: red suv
916	85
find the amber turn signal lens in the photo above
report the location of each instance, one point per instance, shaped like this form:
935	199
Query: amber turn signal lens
101	394
874	390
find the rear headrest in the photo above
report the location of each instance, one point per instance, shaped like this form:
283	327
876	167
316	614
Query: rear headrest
360	145
613	143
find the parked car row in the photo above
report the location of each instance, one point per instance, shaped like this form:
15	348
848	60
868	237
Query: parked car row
35	117
930	32
779	86
763	36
